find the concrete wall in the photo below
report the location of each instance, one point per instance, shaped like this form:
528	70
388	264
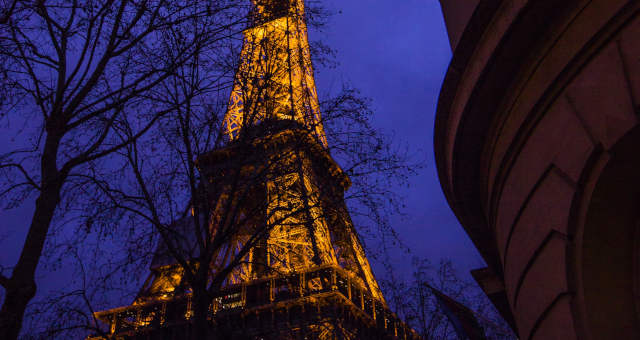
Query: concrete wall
538	117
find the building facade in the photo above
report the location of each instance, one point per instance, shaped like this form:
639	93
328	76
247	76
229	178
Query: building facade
537	145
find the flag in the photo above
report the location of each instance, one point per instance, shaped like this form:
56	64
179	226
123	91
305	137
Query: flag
462	318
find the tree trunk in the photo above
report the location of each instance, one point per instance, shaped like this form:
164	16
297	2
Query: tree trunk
200	307
21	286
17	296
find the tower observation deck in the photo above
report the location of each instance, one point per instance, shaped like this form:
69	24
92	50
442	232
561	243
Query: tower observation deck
307	277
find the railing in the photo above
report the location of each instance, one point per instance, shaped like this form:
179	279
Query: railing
261	294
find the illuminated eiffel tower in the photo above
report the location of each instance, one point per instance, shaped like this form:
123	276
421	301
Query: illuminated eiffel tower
308	278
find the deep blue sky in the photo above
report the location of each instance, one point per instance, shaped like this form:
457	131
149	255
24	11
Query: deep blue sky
397	52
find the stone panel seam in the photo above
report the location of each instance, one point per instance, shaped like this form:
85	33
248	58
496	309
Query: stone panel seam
565	177
553	233
521	210
524	134
524	205
528	126
580	60
543	316
627	81
587	128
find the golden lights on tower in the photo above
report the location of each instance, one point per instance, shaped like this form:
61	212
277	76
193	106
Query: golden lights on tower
275	78
310	255
275	81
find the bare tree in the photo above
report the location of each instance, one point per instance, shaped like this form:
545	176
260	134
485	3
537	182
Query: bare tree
214	194
414	300
77	74
123	103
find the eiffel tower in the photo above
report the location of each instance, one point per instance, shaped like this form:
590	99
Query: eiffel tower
308	277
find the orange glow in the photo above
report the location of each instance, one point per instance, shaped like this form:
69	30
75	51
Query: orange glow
275	79
311	251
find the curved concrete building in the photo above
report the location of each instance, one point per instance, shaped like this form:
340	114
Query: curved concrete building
537	145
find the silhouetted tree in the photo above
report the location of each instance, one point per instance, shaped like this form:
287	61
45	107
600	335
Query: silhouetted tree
211	210
122	101
75	74
414	300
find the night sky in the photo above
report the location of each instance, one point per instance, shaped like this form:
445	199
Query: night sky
396	52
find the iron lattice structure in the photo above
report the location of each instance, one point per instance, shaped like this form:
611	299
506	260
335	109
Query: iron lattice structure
275	79
308	276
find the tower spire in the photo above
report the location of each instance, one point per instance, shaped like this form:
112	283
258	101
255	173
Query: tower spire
274	80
